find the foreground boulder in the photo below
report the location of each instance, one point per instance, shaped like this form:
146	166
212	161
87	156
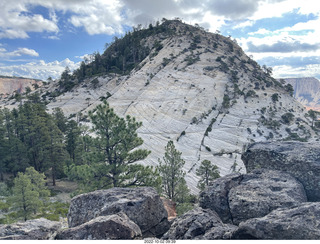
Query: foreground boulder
216	196
262	191
237	198
300	159
112	227
199	224
36	229
142	205
296	223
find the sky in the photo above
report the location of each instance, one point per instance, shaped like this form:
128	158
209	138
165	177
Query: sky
39	38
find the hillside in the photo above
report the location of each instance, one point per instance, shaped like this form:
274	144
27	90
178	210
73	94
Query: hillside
196	88
9	85
306	91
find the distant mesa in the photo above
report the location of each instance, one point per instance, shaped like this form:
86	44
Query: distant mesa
306	91
9	85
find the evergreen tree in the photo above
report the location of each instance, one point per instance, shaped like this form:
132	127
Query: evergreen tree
3	146
60	120
28	193
207	172
73	133
57	154
313	115
38	183
13	149
171	171
113	153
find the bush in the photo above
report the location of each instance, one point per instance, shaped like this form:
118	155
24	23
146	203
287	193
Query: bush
208	68
95	83
287	118
226	101
194	120
250	93
275	97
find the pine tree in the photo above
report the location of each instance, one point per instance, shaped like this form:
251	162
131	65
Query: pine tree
73	133
171	171
14	150
59	119
113	153
28	193
207	172
57	154
38	183
3	146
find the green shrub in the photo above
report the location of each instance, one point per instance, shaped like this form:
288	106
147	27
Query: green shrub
226	101
287	118
275	97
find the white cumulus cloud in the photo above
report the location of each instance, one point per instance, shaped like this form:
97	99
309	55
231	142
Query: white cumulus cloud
4	54
39	69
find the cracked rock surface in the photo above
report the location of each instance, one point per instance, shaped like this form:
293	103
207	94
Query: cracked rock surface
300	159
237	197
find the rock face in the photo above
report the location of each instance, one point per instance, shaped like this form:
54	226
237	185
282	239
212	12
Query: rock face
36	229
216	196
111	227
300	159
199	224
142	205
297	223
237	198
8	85
262	191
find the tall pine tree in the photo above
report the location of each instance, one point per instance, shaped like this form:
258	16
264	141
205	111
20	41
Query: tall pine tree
114	153
171	171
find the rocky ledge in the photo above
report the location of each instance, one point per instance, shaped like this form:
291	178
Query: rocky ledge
300	159
37	229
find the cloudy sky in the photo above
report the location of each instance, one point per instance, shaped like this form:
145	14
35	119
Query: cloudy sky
39	38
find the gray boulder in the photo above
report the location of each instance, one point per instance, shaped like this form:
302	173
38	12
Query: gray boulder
216	196
199	224
237	198
112	227
142	205
300	159
36	229
262	191
296	223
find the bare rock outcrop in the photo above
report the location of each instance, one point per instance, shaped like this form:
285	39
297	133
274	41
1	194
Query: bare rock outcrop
252	195
216	196
300	159
112	227
199	224
36	229
296	223
142	205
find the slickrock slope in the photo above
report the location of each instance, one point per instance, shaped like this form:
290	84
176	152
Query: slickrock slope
199	90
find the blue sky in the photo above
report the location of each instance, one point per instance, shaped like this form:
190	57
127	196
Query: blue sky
39	38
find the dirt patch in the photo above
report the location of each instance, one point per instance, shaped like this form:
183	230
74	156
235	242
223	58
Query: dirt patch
63	186
62	189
